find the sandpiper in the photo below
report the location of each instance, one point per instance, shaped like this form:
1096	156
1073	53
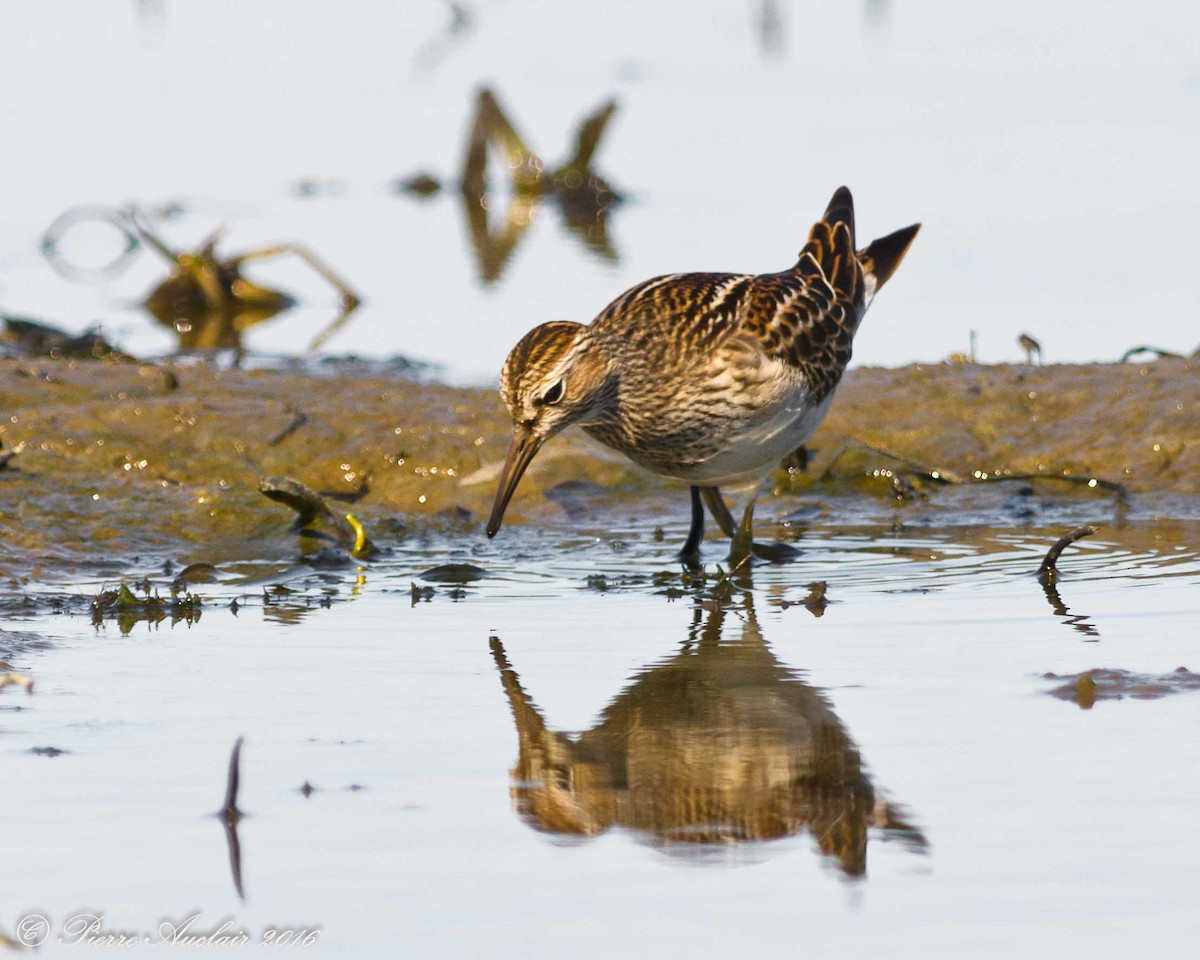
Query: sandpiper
708	378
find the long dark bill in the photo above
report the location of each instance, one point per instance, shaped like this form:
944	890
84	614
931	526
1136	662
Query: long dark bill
522	449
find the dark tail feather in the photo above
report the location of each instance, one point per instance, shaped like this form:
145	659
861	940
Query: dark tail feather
881	257
831	245
841	210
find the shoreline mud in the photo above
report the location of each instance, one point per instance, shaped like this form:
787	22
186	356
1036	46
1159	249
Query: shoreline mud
121	459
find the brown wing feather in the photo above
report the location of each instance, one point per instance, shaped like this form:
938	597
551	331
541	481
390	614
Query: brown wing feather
699	308
805	317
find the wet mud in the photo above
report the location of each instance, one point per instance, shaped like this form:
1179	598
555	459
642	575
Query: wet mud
117	460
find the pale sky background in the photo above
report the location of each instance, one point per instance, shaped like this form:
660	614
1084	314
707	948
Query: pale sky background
1049	149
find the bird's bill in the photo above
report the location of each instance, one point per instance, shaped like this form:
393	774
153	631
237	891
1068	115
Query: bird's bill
520	452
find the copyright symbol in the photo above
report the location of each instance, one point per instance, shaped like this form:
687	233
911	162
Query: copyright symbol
33	929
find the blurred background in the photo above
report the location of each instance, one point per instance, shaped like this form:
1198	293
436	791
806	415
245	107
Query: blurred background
1050	149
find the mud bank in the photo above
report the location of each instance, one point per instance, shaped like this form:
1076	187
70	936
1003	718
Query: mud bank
117	459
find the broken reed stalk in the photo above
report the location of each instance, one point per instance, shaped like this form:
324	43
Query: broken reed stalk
1048	572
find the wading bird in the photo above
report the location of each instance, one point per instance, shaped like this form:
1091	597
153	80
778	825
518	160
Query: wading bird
707	378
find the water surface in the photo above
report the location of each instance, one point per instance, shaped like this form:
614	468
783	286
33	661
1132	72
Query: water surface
573	751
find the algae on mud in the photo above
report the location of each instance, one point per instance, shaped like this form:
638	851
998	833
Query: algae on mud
117	464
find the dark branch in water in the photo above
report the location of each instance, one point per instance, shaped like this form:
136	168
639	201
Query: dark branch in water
1048	572
941	475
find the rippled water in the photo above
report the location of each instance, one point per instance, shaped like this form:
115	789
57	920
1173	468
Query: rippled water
577	749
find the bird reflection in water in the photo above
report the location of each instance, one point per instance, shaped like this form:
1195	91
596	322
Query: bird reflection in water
719	744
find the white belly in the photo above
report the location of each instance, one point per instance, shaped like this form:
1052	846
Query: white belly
756	451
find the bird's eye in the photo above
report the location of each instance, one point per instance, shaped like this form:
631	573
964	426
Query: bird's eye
554	394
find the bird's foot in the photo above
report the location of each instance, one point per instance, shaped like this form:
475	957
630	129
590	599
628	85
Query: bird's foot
775	552
742	548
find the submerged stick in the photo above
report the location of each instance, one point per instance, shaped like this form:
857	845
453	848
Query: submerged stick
1048	572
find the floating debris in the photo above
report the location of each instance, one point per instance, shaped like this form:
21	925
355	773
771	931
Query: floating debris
419	185
35	338
453	573
421	594
603	584
197	573
16	680
1103	684
128	609
815	602
1048	572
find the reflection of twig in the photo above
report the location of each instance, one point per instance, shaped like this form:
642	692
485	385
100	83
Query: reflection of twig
434	50
349	299
582	196
1078	621
876	13
205	298
770	27
54	234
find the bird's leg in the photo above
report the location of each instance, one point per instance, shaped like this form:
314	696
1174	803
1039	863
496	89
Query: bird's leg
771	552
689	556
720	512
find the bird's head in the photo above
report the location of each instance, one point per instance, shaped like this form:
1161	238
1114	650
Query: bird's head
553	377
